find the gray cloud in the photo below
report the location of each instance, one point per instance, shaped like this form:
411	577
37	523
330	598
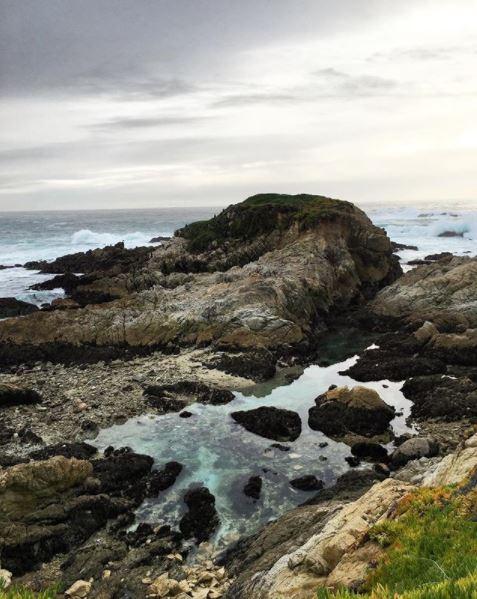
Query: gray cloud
355	85
257	98
145	123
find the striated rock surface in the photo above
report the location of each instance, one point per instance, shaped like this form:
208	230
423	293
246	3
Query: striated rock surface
263	273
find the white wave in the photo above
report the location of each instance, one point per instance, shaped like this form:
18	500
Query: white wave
91	238
465	226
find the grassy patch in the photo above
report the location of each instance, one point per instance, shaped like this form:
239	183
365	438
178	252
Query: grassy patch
23	593
431	549
261	214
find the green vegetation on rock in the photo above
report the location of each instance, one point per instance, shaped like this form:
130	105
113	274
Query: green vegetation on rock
431	549
24	593
261	214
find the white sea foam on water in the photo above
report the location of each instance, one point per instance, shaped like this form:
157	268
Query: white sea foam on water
94	239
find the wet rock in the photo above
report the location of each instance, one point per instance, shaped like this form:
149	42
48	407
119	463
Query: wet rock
412	449
253	487
382	470
79	450
201	519
185	414
308	482
16	395
367	450
451	234
160	480
270	422
164	405
402	246
124	473
280	447
258	365
174	395
442	397
439	256
10	307
358	410
418	262
68	282
353	461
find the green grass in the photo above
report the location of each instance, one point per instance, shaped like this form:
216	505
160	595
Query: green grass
431	549
16	592
261	214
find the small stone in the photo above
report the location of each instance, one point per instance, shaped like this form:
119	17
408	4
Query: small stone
6	578
79	589
106	574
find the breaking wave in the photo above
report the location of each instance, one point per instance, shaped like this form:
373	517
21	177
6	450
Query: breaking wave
91	238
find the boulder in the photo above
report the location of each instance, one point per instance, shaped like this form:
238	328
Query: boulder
10	306
270	422
201	519
367	450
358	410
413	449
253	487
160	480
79	450
16	395
308	482
122	472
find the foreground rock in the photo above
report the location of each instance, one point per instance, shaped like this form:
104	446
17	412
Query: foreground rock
15	395
342	411
269	422
262	274
413	449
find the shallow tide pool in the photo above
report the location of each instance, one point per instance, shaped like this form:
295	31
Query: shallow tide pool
220	454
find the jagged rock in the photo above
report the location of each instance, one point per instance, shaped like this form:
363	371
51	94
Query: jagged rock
253	487
160	480
79	589
201	519
402	246
15	395
308	482
123	471
10	306
412	449
270	422
358	410
79	450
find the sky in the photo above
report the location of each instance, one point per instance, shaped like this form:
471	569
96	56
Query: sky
154	103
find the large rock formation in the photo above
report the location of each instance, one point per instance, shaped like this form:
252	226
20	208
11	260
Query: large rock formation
263	273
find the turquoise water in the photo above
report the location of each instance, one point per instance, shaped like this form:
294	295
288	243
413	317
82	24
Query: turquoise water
219	453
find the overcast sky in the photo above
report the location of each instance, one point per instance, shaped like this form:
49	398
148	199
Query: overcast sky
142	103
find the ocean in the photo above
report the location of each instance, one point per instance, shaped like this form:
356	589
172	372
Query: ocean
28	236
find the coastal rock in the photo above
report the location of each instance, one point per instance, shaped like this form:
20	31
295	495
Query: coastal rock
201	519
10	306
79	450
412	449
308	482
358	410
448	398
367	450
261	274
15	395
26	486
160	480
270	422
253	487
429	292
123	471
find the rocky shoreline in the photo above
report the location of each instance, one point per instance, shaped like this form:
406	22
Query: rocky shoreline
225	303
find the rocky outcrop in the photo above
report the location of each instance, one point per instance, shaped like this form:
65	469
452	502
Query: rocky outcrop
262	274
413	449
269	422
10	306
437	292
343	411
308	482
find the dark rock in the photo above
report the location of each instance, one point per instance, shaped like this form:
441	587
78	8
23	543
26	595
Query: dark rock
14	395
451	234
68	282
160	480
78	450
353	461
440	256
253	487
258	365
358	410
124	473
367	450
201	519
402	246
26	435
185	414
308	482
280	447
382	470
270	422
10	306
185	392
418	262
412	449
164	405
442	397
